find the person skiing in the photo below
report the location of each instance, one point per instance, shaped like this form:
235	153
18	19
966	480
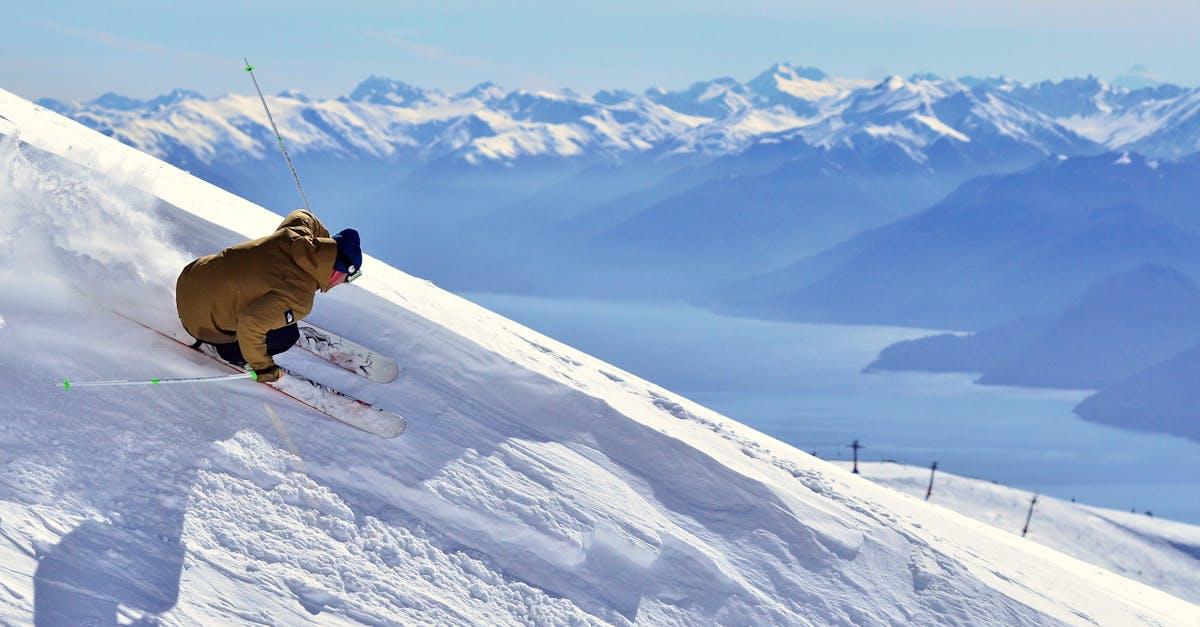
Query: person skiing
247	299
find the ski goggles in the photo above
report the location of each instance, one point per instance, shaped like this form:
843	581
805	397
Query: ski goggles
338	277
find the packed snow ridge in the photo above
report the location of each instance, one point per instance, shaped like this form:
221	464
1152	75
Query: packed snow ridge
535	485
388	119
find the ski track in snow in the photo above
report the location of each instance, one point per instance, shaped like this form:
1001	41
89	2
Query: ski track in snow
536	485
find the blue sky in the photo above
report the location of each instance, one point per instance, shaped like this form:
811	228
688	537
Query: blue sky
77	49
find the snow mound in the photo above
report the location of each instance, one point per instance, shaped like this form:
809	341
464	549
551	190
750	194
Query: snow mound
535	485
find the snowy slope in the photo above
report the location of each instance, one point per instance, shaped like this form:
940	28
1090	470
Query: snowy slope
536	484
1162	553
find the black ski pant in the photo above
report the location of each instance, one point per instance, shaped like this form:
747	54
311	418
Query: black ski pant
278	341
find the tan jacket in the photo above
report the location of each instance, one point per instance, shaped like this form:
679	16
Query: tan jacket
246	290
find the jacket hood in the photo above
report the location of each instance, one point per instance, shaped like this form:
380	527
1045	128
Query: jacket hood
316	260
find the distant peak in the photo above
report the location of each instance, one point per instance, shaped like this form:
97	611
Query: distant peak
724	81
294	94
787	71
174	96
485	91
116	102
791	86
612	96
386	91
182	93
798	71
1137	77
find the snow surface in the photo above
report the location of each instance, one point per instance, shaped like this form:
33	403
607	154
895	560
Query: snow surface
535	485
1162	553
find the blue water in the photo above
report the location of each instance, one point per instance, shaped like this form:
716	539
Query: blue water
803	384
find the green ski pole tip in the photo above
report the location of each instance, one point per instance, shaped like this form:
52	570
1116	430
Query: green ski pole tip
154	381
66	384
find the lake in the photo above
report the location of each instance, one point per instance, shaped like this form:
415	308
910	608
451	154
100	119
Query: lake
804	384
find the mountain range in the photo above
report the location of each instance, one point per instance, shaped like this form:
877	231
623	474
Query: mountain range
387	118
652	194
996	249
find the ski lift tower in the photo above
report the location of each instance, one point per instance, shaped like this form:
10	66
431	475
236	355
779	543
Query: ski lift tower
855	445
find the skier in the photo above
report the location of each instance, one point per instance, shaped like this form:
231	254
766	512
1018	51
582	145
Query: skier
247	299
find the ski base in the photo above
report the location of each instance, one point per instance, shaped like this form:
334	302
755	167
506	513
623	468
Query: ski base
340	406
348	355
333	403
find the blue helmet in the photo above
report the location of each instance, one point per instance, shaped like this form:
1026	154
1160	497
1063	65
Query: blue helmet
349	253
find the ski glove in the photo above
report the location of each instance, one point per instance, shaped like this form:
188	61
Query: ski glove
267	375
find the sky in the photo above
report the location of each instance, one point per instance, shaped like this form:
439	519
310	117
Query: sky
77	50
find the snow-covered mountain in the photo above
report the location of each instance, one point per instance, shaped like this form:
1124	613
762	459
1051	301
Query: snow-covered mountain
385	91
536	484
802	89
941	125
383	117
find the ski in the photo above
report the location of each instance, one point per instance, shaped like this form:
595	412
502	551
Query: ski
341	406
330	402
348	355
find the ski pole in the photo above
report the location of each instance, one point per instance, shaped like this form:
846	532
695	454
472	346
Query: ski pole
278	137
68	384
